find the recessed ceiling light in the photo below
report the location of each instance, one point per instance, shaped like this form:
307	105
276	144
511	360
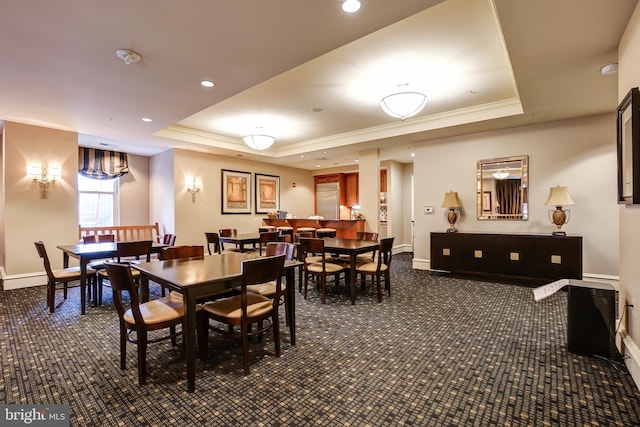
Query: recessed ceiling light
356	161
301	155
317	166
351	6
207	83
413	154
147	119
316	109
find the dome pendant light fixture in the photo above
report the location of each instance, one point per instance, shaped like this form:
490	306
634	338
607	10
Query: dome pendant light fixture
258	142
403	104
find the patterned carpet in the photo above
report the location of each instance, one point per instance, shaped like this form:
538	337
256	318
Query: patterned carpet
438	352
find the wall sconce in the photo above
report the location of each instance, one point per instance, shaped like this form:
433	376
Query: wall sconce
44	177
452	201
558	197
194	187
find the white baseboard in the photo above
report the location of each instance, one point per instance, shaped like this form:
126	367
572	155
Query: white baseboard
421	264
632	354
17	281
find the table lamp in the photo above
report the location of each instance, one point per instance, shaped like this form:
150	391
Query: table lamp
452	202
558	197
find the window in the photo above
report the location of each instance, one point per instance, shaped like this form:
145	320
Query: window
97	202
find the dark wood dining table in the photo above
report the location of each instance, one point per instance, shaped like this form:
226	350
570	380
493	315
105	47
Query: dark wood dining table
353	248
85	252
202	277
242	239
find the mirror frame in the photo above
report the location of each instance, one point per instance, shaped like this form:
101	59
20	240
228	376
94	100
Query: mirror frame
489	215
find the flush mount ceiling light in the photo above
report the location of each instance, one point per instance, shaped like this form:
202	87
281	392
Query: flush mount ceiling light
403	104
609	69
258	142
351	6
128	56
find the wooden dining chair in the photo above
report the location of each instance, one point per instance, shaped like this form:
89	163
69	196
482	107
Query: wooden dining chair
98	238
213	239
169	239
61	276
249	308
268	289
138	319
375	272
265	238
126	253
369	256
228	232
317	269
183	251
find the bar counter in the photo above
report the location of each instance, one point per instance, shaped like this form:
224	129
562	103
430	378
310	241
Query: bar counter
345	228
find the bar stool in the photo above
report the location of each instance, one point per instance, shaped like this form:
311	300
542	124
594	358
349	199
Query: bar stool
266	228
286	230
325	232
305	229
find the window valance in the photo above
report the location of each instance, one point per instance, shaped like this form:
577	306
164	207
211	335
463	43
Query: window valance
102	164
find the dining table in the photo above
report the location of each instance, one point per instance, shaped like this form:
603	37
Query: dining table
86	252
352	248
197	278
242	239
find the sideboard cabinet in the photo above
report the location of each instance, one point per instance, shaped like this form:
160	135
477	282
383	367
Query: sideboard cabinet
523	258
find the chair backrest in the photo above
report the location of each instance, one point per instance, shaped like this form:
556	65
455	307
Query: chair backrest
262	270
184	251
169	239
134	249
386	251
367	235
122	281
268	236
98	238
312	247
42	253
213	239
227	232
280	248
305	235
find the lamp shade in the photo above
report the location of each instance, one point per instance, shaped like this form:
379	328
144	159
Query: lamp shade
403	104
559	196
451	200
258	142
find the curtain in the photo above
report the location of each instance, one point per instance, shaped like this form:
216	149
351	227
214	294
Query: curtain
508	196
102	164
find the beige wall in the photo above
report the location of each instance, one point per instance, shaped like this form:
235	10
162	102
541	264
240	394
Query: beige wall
628	77
54	220
192	220
134	192
161	192
579	153
27	216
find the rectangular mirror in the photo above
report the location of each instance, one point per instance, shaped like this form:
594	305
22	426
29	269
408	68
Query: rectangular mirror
503	185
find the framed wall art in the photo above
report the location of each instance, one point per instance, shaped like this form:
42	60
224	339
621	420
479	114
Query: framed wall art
267	188
236	192
486	201
628	130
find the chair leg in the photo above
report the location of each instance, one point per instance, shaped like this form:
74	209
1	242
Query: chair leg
323	285
123	346
387	281
51	296
142	356
276	332
245	346
99	297
66	288
379	287
172	333
306	283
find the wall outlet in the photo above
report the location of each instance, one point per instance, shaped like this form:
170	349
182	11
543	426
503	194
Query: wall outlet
428	209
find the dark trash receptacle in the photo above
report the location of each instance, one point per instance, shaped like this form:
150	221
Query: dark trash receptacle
591	319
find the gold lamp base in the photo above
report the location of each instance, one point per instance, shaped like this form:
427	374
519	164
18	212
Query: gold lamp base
559	218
